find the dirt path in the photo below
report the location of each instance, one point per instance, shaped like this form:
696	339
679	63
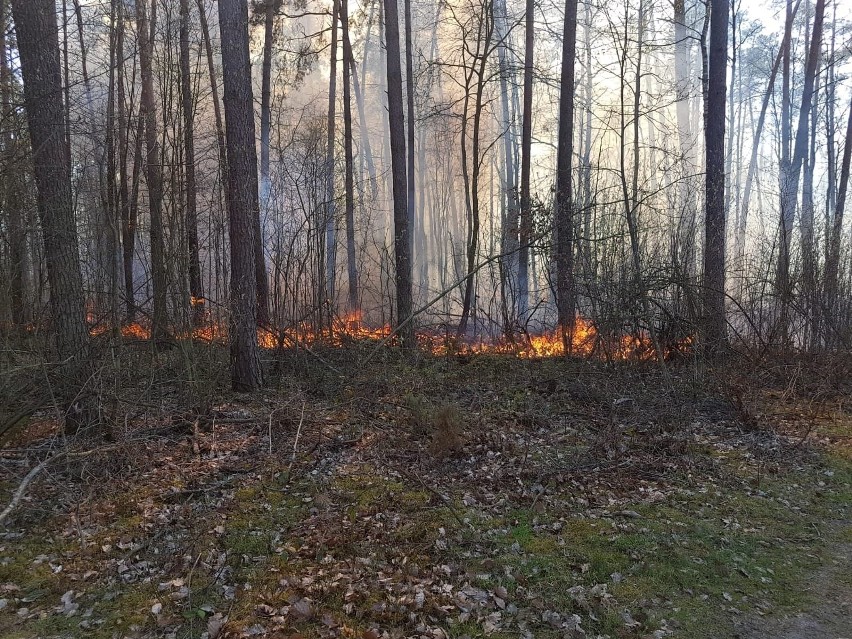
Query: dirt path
829	616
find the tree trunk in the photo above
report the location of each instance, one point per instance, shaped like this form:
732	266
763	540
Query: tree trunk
758	132
402	231
112	209
330	222
266	97
127	230
564	224
589	254
510	230
246	374
196	289
153	174
8	198
409	94
214	90
38	47
362	120
526	147
471	169
833	262
791	171
715	324
352	267
683	86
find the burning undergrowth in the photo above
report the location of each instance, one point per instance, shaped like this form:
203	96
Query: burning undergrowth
587	339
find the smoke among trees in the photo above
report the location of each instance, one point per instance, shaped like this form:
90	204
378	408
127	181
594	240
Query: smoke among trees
491	170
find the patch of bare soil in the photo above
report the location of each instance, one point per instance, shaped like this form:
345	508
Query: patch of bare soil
829	612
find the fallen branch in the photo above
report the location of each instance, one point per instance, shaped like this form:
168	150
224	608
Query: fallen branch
22	488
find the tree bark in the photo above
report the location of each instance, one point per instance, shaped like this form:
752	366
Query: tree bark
402	231
791	171
266	96
352	267
526	148
196	288
833	262
715	324
9	201
330	223
510	230
38	47
246	374
214	90
128	230
409	94
153	170
564	223
758	132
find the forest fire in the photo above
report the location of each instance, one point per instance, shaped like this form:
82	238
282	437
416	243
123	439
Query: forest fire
351	328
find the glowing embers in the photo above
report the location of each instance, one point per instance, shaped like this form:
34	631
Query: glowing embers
132	330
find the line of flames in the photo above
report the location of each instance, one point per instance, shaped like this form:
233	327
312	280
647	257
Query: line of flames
586	342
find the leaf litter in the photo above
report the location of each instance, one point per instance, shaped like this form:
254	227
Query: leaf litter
537	507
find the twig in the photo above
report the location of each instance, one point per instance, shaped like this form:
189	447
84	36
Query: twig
270	431
19	493
296	442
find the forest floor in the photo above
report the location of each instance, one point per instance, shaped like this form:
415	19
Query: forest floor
826	616
438	497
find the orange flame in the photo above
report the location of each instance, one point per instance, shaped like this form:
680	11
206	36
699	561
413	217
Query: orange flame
586	340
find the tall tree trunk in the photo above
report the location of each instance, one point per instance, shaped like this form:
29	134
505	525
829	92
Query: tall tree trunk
352	267
38	47
833	262
113	212
471	169
91	190
784	175
214	90
564	224
246	374
715	323
402	230
128	231
731	123
330	222
362	120
526	148
511	215
791	171
589	254
153	174
221	271
266	97
806	225
409	94
196	288
830	143
758	132
683	84
8	198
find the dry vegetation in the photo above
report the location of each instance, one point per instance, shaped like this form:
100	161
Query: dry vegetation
433	497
